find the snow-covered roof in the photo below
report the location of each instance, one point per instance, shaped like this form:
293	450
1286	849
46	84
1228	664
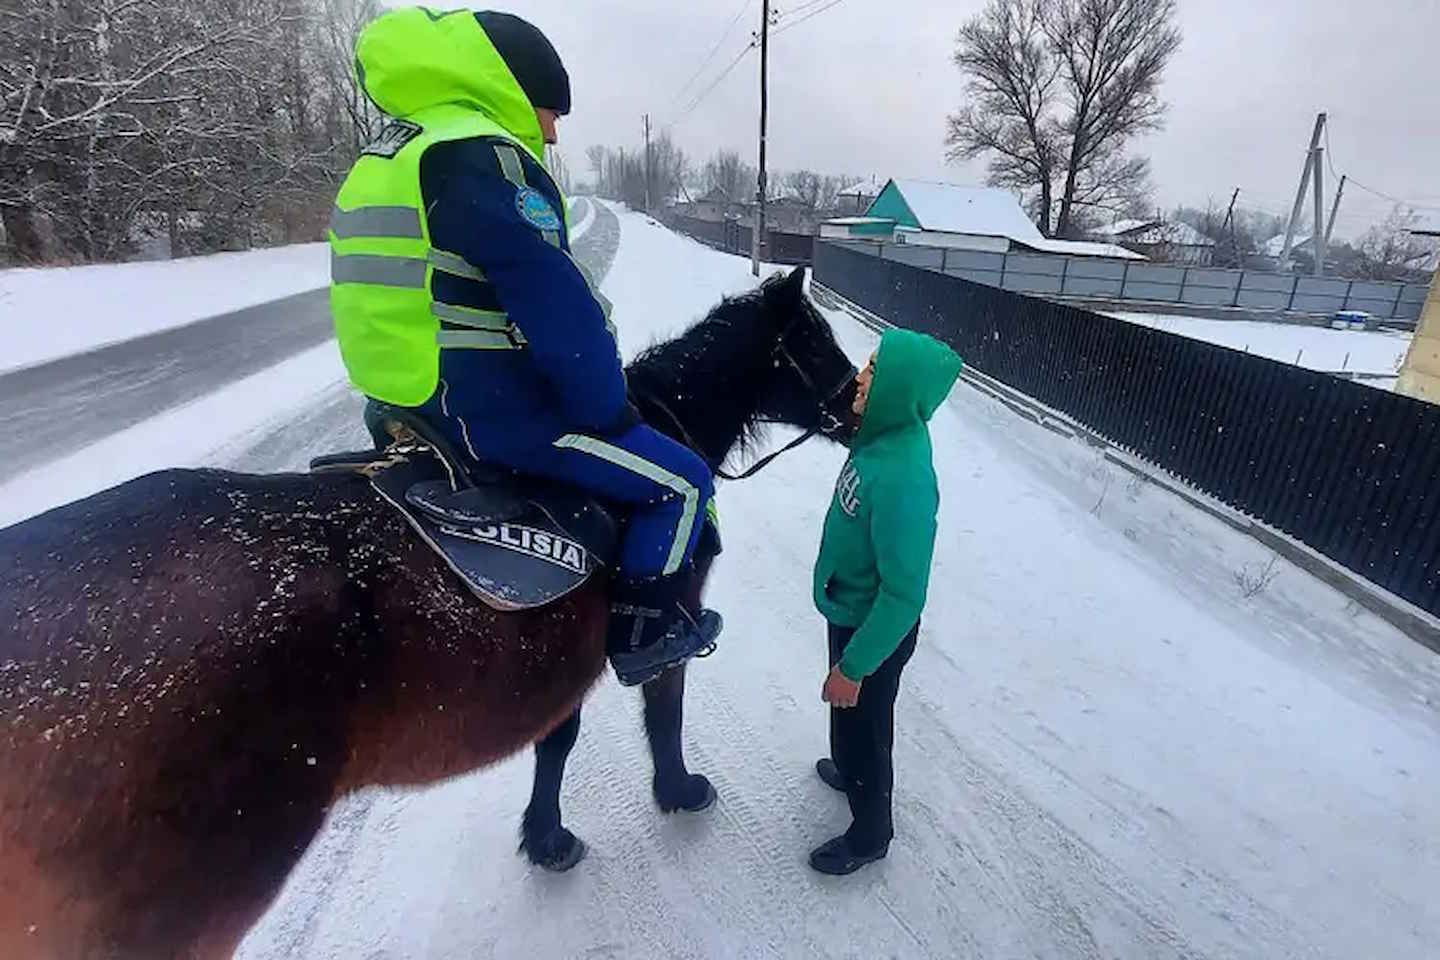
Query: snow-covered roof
859	188
1155	231
856	221
1081	248
984	211
1427	227
1276	244
1122	227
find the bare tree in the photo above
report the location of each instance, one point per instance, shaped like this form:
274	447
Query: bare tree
1012	77
830	187
1058	90
670	167
559	169
805	186
595	158
215	124
731	175
1389	251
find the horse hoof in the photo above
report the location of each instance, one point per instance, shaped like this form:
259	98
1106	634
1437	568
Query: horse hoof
558	852
695	794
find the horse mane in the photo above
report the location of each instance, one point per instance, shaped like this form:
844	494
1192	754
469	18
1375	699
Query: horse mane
711	376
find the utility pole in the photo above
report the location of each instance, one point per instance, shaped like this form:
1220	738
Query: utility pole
1230	225
1317	243
759	231
1299	207
646	118
1339	192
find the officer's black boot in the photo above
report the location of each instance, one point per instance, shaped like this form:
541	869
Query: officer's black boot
652	631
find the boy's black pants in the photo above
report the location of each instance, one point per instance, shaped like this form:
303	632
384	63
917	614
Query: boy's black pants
861	740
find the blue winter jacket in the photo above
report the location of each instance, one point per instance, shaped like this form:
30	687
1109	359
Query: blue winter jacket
569	376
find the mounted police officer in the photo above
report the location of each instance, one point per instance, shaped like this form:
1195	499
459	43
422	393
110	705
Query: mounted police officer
455	295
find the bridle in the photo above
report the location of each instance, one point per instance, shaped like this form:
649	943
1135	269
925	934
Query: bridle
822	397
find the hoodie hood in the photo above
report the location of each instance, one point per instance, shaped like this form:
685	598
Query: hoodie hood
913	376
411	59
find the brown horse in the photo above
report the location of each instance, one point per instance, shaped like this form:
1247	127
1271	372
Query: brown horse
195	665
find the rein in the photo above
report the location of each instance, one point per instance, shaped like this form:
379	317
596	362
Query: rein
719	471
781	350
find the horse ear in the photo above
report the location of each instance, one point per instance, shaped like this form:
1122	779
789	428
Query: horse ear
795	283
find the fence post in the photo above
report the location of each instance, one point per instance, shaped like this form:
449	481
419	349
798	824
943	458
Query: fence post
1395	310
1294	288
1184	276
1348	287
1239	285
1064	272
944	258
1004	262
1124	279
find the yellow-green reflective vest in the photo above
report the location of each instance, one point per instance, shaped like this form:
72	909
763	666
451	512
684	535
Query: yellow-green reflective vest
381	262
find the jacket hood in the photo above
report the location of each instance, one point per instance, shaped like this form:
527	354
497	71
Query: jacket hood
913	376
411	59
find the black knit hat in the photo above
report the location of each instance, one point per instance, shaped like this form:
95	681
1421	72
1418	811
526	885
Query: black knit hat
531	58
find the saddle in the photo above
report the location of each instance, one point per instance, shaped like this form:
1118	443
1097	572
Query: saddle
517	543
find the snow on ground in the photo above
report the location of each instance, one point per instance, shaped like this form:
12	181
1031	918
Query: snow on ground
1103	748
1315	348
578	228
201	433
51	312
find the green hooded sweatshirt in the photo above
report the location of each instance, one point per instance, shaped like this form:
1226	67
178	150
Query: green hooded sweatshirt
874	564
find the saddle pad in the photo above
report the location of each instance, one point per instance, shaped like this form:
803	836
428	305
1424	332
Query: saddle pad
511	563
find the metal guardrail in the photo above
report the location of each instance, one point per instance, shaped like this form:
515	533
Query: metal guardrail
1094	278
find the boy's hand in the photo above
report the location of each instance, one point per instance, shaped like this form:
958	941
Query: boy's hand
839	690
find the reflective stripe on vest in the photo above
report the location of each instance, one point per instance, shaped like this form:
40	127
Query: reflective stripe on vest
402	223
474	340
491	321
456	265
380	271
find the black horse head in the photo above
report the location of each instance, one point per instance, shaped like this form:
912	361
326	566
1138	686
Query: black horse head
761	357
817	382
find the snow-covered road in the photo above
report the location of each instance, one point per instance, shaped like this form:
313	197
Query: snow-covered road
1103	748
259	389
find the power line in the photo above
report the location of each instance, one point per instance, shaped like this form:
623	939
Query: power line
1385	196
801	8
715	83
1329	157
714	50
809	16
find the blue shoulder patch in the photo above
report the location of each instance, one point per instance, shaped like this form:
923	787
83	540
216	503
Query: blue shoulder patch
536	210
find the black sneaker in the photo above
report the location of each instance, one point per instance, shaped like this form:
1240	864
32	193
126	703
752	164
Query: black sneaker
830	773
838	859
685	638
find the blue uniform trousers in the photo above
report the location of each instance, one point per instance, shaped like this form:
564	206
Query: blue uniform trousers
664	486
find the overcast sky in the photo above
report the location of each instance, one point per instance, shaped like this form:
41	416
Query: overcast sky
863	88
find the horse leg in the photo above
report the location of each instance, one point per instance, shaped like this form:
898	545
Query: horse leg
675	787
542	837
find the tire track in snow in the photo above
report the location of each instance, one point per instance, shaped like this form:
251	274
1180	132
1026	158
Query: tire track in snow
1045	875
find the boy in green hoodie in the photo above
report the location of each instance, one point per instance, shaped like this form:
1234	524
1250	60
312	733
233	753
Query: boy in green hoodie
871	578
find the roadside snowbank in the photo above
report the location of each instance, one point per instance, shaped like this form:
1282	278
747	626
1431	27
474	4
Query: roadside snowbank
193	435
56	311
